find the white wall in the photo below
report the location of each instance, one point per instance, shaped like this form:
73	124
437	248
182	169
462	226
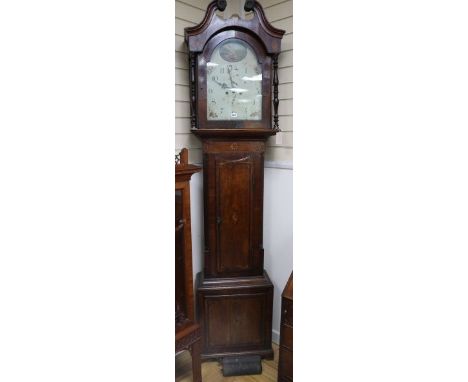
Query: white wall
187	13
280	15
196	211
278	234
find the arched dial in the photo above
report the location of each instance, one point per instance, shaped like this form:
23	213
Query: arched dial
234	83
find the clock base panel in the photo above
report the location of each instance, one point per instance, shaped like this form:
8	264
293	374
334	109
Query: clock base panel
235	315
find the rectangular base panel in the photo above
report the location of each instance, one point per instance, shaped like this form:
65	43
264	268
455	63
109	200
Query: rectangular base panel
246	365
235	315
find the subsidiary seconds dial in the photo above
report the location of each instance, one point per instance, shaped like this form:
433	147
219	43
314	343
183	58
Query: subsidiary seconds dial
234	83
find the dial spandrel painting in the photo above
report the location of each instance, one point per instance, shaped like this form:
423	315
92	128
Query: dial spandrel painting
234	83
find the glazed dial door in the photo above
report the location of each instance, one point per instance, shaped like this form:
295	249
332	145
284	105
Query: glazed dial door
234	83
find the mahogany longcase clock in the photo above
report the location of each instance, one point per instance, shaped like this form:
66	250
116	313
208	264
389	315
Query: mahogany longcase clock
234	109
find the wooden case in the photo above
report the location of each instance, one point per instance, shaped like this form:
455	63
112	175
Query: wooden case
234	294
233	184
235	316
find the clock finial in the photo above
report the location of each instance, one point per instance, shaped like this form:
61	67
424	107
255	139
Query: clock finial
249	5
221	4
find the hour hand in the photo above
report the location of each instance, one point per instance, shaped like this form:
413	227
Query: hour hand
223	85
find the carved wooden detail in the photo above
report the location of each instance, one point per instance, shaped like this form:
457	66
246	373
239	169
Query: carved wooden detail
193	97
213	147
275	92
188	340
197	36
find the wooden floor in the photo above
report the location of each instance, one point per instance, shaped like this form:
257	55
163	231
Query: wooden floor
211	371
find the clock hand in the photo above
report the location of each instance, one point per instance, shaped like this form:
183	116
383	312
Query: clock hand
233	84
230	77
223	85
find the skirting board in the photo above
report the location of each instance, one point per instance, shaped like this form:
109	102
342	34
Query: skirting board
278	164
275	337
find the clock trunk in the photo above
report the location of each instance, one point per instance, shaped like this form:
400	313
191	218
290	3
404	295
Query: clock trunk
234	293
233	193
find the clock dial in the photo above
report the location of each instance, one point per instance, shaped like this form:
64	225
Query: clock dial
232	51
234	83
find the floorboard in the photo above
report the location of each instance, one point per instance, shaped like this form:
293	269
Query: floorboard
211	371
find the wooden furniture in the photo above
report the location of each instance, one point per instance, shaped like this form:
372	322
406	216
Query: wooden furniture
285	363
187	331
233	95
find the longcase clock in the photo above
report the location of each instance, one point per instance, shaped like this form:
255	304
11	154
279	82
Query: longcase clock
234	109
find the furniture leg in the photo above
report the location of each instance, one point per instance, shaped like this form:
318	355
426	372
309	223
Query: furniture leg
196	363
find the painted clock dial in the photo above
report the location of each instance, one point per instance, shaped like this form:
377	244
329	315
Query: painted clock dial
234	83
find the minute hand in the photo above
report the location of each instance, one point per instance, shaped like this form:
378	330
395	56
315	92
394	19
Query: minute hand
230	78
